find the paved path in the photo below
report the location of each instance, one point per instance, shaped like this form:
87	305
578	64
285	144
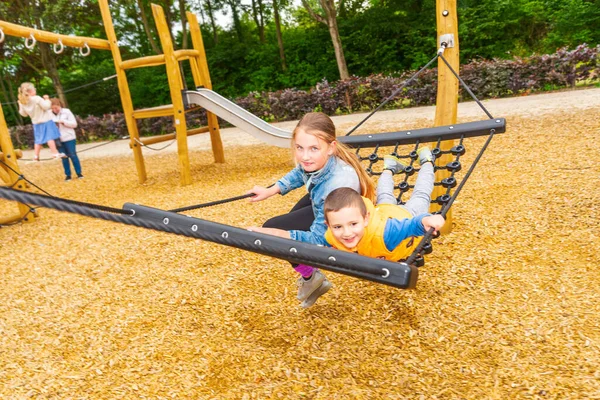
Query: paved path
549	103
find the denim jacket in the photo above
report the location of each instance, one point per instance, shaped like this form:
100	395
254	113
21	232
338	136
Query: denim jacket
335	174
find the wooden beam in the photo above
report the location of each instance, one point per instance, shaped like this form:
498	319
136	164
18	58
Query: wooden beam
171	136
175	87
123	90
447	93
11	175
149	61
202	78
53	38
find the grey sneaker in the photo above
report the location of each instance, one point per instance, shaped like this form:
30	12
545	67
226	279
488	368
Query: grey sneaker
424	155
321	290
393	164
306	287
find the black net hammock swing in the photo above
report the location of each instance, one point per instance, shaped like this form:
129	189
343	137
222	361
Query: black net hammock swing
402	274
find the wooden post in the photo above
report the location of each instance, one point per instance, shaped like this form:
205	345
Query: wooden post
202	78
447	92
175	86
10	158
123	91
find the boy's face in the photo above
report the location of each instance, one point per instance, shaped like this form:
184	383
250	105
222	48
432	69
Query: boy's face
347	225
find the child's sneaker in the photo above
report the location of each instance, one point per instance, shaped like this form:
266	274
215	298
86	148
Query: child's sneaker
424	155
67	178
59	155
79	176
393	164
307	286
321	290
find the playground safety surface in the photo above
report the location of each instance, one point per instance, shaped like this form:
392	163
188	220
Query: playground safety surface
506	306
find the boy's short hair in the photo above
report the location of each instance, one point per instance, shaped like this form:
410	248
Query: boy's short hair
342	198
56	102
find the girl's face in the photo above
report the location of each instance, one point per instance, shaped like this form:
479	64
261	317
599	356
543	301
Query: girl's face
31	91
311	152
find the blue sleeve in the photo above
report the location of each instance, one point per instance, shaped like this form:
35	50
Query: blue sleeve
396	230
316	234
292	180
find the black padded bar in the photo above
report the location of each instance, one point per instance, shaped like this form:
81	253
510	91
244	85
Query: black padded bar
394	274
446	132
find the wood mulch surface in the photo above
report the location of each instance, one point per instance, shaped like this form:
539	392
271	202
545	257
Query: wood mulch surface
507	305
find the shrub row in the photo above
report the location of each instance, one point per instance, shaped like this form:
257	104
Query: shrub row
486	78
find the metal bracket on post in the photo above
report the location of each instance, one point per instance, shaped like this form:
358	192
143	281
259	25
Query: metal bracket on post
448	39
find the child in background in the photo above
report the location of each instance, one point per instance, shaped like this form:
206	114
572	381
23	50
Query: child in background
38	109
66	122
387	230
323	165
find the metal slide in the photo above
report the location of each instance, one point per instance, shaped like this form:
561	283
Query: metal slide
236	115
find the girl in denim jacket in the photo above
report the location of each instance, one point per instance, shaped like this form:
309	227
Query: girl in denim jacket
323	165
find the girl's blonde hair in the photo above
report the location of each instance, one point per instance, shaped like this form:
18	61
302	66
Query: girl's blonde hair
24	92
321	126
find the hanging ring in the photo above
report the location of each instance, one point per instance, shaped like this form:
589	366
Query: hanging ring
30	42
1	35
85	52
61	48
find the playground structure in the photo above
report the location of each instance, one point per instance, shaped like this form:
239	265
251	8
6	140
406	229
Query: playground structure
213	103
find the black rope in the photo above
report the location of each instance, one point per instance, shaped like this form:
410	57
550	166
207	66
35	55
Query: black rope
466	87
25	179
73	89
327	258
216	202
212	203
446	208
406	83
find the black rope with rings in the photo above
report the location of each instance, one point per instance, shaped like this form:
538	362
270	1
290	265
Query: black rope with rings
334	260
445	209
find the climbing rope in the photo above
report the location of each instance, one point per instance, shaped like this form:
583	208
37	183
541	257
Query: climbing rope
152	148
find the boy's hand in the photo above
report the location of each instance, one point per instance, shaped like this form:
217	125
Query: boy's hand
46	97
433	221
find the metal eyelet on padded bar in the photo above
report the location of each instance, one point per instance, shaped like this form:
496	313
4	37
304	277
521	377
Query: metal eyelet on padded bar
387	273
194	228
60	49
224	235
166	221
293	250
132	212
30	42
257	242
332	258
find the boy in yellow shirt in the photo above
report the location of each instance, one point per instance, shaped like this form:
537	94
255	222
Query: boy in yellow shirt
387	230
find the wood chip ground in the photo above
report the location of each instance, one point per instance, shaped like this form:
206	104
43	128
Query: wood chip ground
507	306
